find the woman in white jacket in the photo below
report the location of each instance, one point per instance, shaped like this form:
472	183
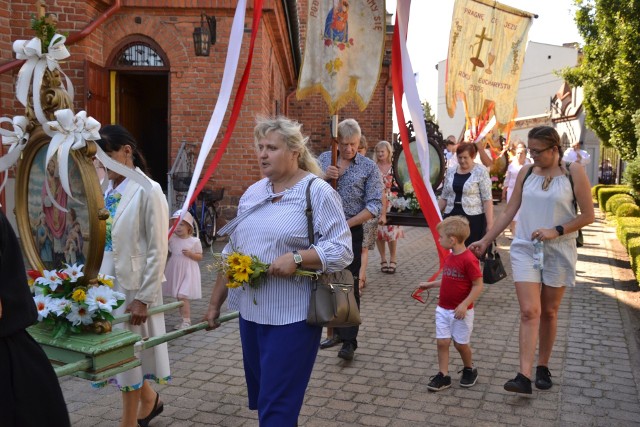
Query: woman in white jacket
135	253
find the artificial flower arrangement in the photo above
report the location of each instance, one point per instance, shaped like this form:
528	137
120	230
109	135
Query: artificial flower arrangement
246	270
67	304
408	202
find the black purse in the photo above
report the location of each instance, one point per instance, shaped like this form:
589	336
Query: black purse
333	299
493	270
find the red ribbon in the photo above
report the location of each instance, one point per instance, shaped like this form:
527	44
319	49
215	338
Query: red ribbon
429	209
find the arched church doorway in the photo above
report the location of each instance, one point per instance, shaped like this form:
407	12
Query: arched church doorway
139	83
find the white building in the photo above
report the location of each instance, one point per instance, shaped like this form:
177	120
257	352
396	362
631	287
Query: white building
538	84
568	117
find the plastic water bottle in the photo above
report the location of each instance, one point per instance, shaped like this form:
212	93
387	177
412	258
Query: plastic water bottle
538	254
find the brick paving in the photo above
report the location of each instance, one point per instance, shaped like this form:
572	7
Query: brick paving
595	365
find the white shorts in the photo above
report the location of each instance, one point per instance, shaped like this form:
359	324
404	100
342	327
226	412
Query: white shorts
560	257
447	326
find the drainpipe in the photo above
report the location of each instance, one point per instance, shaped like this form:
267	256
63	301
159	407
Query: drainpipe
386	108
73	38
286	102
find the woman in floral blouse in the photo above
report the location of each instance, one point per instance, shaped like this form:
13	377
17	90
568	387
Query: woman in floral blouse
467	192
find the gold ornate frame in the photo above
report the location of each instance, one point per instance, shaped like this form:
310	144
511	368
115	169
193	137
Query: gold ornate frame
92	209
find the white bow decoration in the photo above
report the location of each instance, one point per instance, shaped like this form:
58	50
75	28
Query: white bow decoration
71	132
34	68
16	140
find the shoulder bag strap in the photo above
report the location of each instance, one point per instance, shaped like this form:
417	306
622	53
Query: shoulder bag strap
575	203
309	213
529	172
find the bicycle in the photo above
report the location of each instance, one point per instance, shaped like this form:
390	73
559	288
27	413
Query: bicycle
207	213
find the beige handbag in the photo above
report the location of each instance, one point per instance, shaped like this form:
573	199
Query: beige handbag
333	301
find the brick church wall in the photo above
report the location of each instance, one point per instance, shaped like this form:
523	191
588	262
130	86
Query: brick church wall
195	81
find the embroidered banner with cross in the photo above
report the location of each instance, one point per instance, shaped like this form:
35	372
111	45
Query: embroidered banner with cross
486	51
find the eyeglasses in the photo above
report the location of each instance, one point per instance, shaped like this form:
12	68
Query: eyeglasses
538	152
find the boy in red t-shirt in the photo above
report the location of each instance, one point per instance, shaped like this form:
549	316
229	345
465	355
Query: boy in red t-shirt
460	286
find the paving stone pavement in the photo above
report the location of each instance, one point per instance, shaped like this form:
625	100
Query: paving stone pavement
595	364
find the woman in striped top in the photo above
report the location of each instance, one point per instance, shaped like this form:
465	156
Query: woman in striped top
279	348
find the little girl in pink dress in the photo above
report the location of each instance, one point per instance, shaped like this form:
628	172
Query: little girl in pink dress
182	271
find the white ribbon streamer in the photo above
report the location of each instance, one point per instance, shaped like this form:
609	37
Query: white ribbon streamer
71	132
230	67
413	100
486	129
35	66
16	140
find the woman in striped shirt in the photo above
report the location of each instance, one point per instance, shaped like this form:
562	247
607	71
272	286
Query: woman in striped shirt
279	348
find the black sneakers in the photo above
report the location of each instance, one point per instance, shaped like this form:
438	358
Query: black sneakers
346	352
543	378
439	382
520	384
469	377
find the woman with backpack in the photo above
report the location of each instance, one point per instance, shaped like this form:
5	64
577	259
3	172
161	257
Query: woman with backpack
543	252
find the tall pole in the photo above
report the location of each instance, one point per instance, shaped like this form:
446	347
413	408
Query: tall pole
334	146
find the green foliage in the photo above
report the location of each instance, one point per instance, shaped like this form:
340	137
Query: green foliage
628	210
428	113
606	193
633	247
628	227
594	190
609	69
45	28
632	176
616	200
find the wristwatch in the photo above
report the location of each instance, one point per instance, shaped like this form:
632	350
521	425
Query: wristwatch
560	230
297	258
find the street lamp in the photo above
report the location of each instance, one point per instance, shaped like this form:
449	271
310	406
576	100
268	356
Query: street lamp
204	35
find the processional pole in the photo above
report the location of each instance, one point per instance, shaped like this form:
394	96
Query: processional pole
334	146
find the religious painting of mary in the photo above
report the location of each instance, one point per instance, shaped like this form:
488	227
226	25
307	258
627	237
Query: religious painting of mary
336	27
59	236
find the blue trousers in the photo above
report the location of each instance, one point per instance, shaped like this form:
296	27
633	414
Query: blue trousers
278	361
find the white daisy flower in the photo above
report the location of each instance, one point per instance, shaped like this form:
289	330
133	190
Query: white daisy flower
100	298
74	272
43	305
49	278
60	306
80	314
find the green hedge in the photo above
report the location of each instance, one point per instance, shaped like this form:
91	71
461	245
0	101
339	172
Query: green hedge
627	230
618	199
633	247
604	194
628	210
595	189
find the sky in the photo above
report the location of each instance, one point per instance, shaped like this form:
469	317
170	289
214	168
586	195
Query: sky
430	24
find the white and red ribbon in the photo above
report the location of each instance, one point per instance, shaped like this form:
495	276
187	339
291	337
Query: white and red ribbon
34	68
226	87
404	82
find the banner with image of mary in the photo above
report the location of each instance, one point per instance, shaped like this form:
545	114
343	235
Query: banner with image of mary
343	51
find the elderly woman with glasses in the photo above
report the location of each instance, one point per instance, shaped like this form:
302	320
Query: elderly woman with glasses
546	194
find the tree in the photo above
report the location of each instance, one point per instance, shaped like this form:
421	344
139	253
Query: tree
428	114
609	70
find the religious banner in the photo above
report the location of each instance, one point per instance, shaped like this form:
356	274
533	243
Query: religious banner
343	51
486	51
